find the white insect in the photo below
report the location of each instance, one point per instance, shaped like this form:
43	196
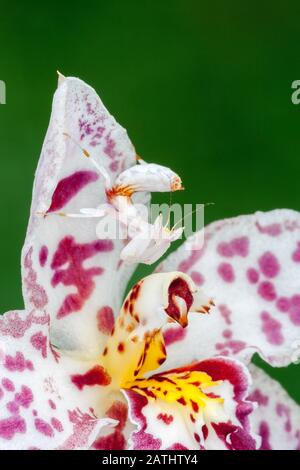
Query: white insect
147	242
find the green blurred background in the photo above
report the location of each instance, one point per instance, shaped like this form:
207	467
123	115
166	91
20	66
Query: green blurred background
204	87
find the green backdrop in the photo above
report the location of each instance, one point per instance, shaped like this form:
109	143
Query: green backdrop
204	87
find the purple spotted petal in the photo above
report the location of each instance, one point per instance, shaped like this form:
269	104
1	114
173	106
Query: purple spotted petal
66	268
277	418
250	266
180	426
47	400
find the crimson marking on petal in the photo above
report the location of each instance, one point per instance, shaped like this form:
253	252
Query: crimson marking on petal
144	440
75	274
178	288
172	335
264	432
105	320
13	325
258	397
283	410
43	255
113	441
68	187
37	294
17	363
95	376
234	437
11	426
177	446
83	425
119	412
204	431
272	329
39	342
167	419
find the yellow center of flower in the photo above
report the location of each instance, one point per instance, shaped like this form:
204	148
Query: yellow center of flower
136	347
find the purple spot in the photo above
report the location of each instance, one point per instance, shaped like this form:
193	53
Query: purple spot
227	334
52	404
13	407
17	363
8	385
271	328
25	397
283	410
109	148
267	291
225	249
37	294
269	265
273	229
240	246
43	255
12	425
39	342
294	310
259	397
296	254
252	275
44	428
197	278
283	304
226	313
264	432
57	424
68	187
172	335
226	272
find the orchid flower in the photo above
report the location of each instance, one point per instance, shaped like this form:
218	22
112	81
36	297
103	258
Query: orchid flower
161	374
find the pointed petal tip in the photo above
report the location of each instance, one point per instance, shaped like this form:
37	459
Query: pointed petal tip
61	77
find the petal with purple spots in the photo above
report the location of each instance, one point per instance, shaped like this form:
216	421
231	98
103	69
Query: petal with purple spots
255	285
